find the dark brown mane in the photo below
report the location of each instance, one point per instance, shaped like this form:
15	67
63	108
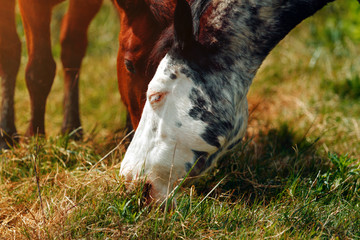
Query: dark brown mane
162	46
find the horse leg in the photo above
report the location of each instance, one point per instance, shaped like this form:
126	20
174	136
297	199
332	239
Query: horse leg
10	53
40	69
74	42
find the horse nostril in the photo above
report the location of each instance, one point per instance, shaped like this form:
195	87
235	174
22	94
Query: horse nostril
129	66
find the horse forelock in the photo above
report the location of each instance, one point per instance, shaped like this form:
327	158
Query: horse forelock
162	46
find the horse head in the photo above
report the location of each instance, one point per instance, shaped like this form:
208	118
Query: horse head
196	107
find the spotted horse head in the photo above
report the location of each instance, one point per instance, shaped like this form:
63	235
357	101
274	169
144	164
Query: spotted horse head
196	107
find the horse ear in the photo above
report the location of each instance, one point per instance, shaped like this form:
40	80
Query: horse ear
183	25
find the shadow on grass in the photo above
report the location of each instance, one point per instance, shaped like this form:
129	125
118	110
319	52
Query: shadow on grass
263	166
282	170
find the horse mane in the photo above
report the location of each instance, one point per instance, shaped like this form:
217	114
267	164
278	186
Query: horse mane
162	46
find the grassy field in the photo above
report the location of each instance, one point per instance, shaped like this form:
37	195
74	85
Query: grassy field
295	176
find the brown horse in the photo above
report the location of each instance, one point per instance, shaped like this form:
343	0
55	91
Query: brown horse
40	69
142	22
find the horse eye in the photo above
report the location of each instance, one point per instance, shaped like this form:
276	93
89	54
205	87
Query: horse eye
129	66
156	98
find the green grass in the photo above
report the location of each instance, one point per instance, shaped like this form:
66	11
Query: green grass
296	175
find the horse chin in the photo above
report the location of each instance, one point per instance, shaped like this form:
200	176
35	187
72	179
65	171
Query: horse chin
155	186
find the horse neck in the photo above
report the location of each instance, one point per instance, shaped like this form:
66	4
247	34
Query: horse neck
246	31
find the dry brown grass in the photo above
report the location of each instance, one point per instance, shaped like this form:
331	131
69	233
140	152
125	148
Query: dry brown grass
62	193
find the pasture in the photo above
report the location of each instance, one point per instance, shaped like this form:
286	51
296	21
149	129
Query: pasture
296	175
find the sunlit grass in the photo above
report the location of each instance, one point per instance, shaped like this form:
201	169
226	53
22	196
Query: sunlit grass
310	80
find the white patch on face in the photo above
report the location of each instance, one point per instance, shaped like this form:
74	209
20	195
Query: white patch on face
166	134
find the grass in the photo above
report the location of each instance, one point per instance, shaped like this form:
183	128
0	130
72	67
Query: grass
295	176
